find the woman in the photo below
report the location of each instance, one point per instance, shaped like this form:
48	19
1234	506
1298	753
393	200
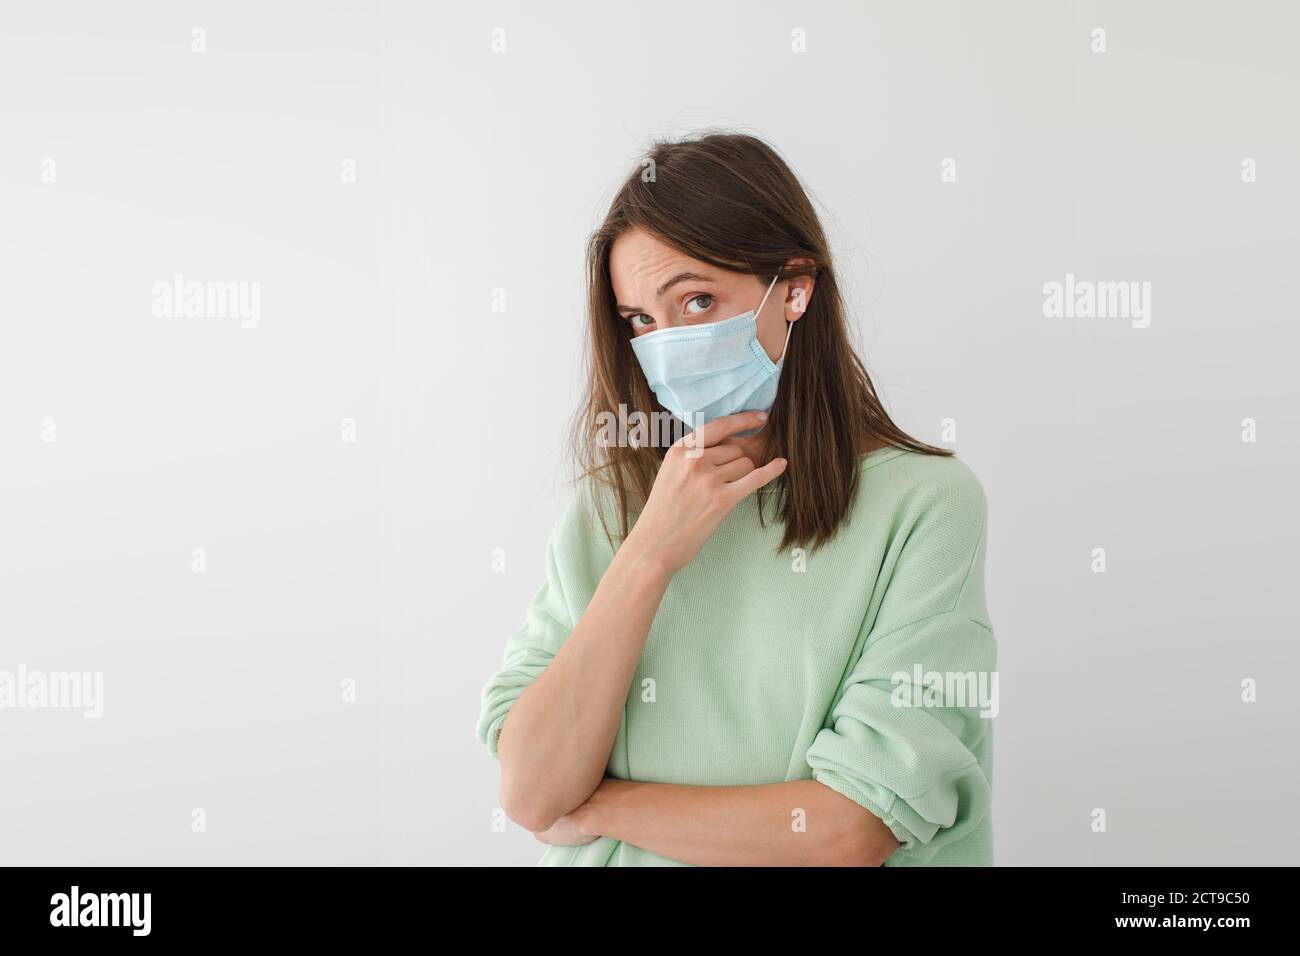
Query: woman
732	658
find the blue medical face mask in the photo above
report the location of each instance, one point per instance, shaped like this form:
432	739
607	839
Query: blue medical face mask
703	372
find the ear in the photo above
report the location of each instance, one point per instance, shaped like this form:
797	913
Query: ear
799	290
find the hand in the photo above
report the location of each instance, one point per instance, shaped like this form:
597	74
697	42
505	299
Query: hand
695	491
578	826
567	831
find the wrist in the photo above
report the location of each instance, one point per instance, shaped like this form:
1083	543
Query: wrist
594	817
585	819
644	561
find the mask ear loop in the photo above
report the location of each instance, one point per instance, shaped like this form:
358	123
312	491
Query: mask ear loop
789	326
770	286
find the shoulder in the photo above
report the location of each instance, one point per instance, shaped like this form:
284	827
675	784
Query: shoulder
937	535
923	488
588	519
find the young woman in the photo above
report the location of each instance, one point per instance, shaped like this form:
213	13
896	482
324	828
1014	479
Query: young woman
732	659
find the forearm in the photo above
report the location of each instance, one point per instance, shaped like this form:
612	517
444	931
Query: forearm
555	742
800	823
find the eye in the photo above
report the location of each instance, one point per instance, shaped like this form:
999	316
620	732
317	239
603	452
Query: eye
641	320
691	304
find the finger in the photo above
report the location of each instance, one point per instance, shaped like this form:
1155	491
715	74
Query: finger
713	432
748	484
723	453
735	470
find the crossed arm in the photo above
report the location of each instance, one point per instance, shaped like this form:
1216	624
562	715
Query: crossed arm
799	823
555	742
553	784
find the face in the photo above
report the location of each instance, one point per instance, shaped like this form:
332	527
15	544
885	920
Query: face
657	287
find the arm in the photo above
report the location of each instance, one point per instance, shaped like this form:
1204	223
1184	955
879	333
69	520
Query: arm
799	823
563	724
556	739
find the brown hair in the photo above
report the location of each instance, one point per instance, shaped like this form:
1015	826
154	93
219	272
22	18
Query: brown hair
730	200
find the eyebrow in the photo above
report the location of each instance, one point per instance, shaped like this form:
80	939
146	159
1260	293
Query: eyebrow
680	277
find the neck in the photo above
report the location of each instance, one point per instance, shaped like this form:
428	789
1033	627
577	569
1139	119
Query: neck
755	447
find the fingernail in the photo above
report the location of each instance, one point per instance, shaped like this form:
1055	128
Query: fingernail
762	416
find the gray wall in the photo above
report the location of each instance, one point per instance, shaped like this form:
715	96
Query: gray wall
371	560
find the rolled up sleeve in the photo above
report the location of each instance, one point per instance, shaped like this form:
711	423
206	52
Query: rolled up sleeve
528	651
905	736
576	555
914	767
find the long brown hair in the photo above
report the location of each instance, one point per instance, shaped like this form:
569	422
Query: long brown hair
730	200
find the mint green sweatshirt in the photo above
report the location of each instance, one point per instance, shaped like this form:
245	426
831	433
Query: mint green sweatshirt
867	665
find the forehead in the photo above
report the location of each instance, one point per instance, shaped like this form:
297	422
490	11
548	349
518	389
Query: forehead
638	261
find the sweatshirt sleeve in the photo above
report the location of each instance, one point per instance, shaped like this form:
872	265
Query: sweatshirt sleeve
576	556
902	734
